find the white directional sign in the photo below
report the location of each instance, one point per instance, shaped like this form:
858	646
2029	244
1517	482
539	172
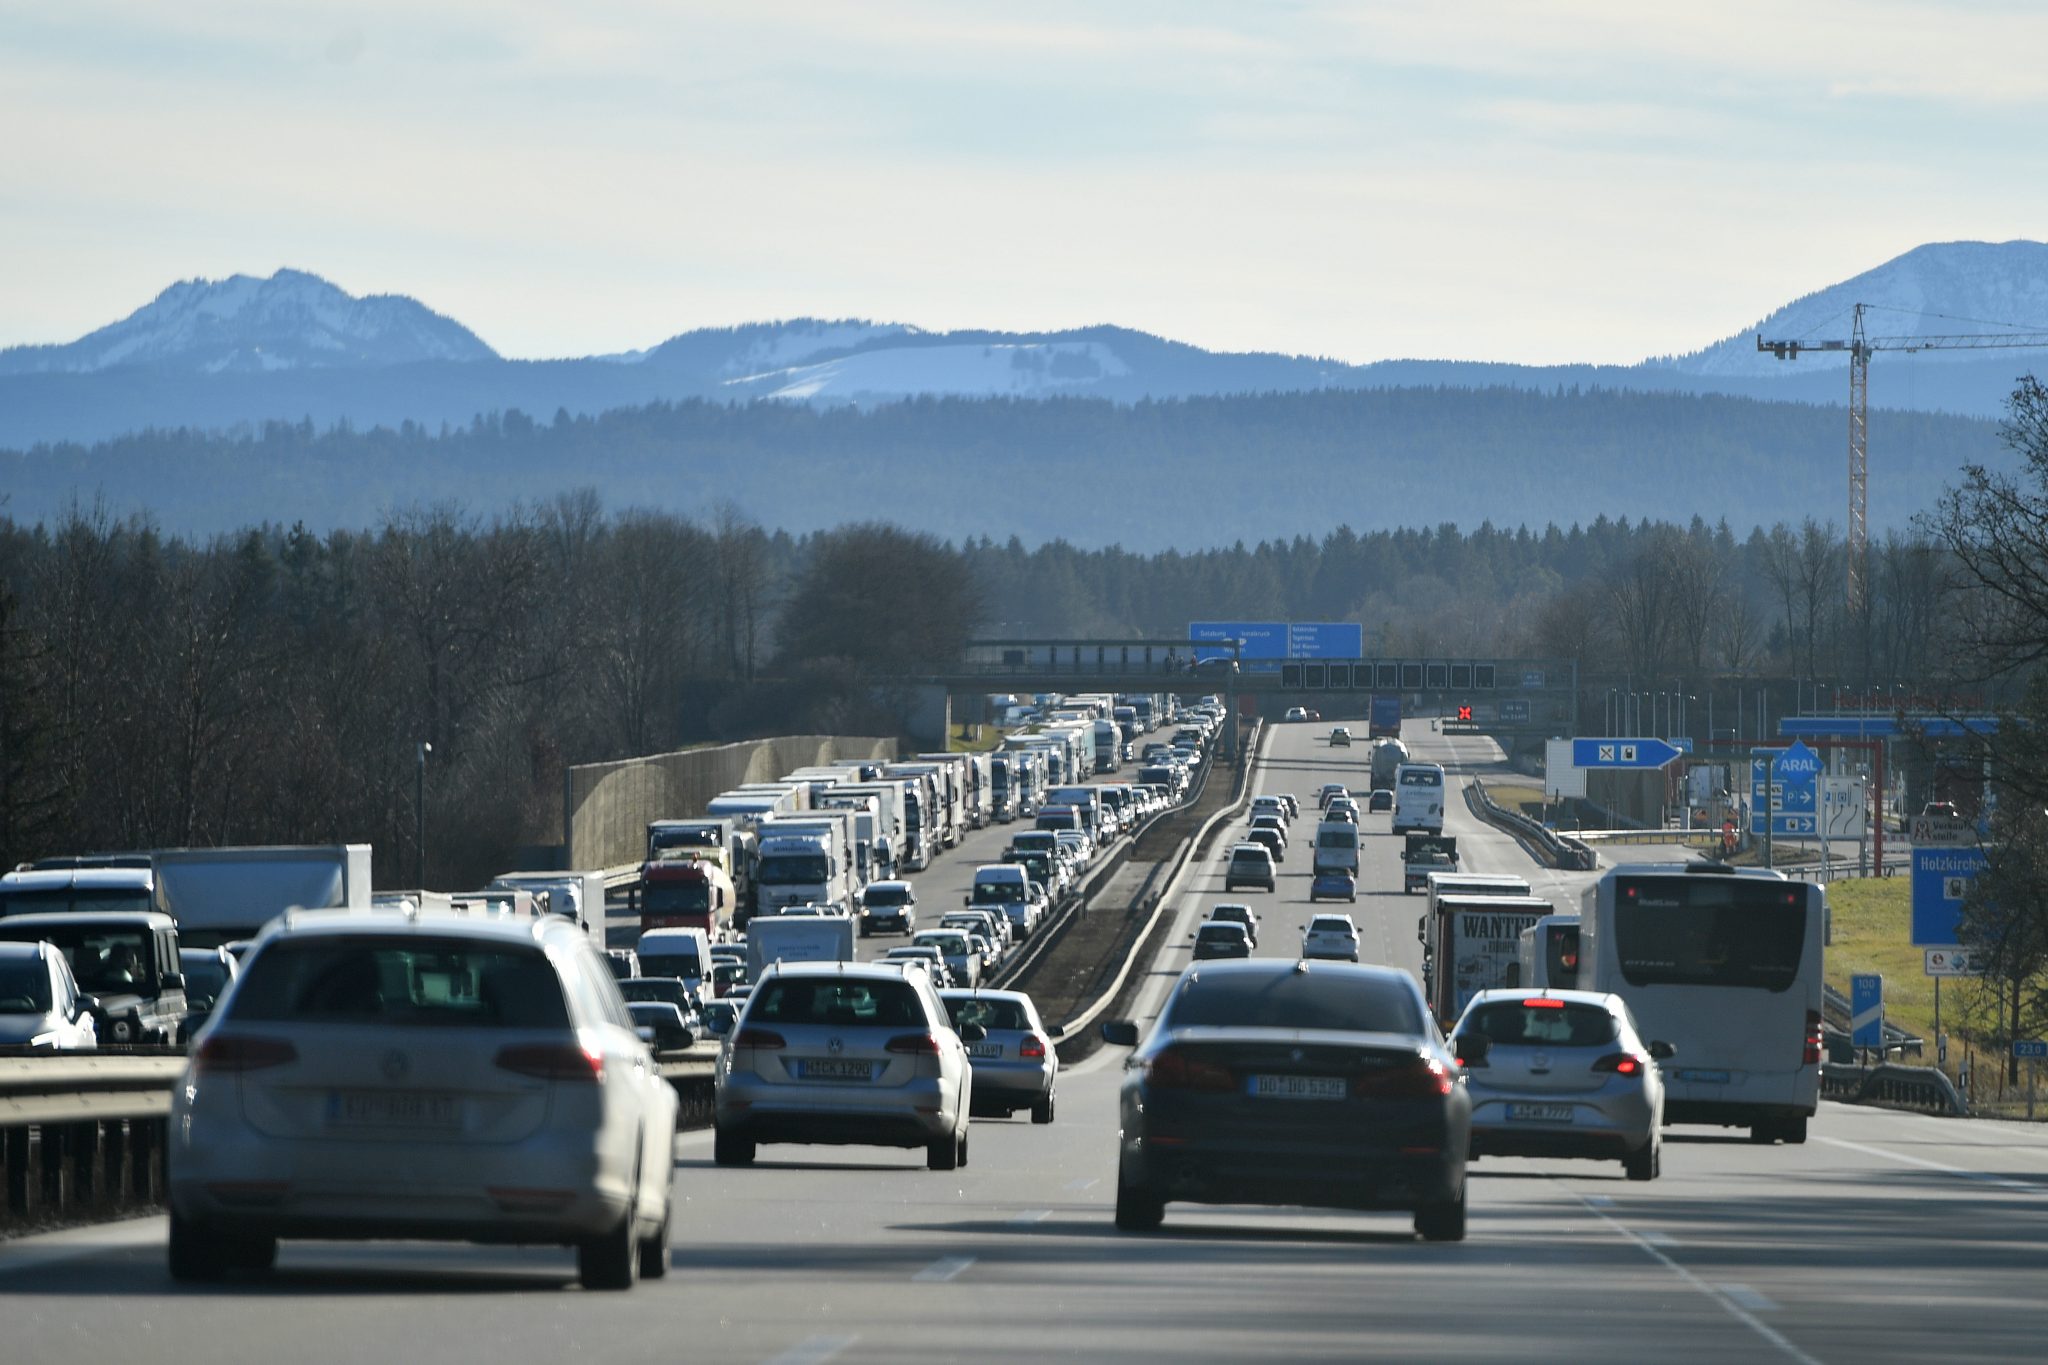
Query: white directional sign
1561	777
1953	962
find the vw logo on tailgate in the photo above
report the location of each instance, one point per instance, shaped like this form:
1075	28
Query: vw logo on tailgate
835	1047
395	1065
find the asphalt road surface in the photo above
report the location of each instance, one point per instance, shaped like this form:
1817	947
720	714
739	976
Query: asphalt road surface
1886	1237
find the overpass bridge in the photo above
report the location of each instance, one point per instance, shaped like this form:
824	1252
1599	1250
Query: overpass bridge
1515	699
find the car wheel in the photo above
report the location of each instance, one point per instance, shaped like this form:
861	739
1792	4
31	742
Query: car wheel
1646	1162
1042	1111
729	1149
258	1254
942	1153
963	1144
654	1250
1442	1222
610	1261
1137	1208
196	1253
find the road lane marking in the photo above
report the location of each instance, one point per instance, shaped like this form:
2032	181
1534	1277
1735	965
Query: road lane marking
943	1270
1749	1298
1658	1239
2000	1181
1033	1216
1733	1308
1083	1184
1599	1201
813	1351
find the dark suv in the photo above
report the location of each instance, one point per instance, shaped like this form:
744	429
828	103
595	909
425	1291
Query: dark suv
126	960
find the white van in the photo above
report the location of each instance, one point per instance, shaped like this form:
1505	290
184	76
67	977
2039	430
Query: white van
1419	798
677	952
1336	847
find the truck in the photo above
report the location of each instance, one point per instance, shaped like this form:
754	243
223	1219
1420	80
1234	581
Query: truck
797	938
806	860
923	819
1472	943
1383	718
720	839
1003	783
577	896
946	816
1109	745
1087	803
219	895
1424	854
870	843
1151	710
888	796
686	892
971	780
746	809
1387	757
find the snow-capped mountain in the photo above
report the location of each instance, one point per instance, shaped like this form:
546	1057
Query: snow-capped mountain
244	325
1940	289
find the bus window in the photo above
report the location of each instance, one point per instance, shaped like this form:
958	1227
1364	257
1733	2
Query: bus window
1709	932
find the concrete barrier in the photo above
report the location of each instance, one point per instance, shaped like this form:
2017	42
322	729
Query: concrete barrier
606	806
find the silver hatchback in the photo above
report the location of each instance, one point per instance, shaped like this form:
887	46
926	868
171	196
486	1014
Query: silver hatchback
1562	1074
844	1053
1015	1066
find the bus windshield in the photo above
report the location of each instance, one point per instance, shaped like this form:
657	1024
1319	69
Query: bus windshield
1709	931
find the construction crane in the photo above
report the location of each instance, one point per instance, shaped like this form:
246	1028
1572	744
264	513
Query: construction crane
1859	347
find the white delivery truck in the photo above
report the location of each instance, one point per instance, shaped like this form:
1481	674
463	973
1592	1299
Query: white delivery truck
889	796
681	953
797	938
577	896
218	895
922	838
1471	944
943	818
1109	745
805	860
870	844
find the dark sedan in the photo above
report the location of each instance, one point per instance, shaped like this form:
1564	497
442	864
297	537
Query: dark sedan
1317	1084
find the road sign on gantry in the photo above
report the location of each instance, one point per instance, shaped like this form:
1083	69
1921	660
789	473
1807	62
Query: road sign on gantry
1621	753
1941	882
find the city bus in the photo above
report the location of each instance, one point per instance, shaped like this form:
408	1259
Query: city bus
1725	965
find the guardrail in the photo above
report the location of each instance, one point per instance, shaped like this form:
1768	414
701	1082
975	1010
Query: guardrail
1189	848
1019	965
82	1135
1926	1089
1704	838
1562	850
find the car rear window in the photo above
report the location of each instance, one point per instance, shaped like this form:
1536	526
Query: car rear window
990	1013
1513	1023
24	986
1294	999
807	1000
404	980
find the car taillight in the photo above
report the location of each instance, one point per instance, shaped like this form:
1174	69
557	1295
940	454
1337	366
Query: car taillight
1175	1070
1032	1046
552	1061
1622	1064
915	1044
1425	1078
225	1052
1811	1055
758	1037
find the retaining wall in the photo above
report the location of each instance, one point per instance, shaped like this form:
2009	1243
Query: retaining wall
606	806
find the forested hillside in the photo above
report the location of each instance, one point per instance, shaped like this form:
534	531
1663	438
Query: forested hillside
1151	476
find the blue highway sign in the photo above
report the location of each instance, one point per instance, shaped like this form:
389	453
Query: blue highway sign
1941	881
2030	1047
1621	753
1788	788
1866	1010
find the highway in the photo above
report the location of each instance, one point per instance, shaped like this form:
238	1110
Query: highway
1887	1237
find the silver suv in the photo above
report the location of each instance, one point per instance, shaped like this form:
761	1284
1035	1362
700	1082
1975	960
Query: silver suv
845	1054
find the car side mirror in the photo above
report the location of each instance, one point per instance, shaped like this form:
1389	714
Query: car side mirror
967	900
1120	1032
1473	1047
1056	1031
1661	1051
171	981
972	1033
85	1004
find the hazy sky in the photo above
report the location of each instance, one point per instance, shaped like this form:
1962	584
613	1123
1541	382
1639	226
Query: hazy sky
1480	179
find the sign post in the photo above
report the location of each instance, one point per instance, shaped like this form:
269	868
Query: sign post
1866	1012
2030	1051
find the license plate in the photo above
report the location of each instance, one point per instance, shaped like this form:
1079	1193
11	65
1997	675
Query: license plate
1296	1088
984	1049
1706	1077
834	1069
1540	1113
393	1109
